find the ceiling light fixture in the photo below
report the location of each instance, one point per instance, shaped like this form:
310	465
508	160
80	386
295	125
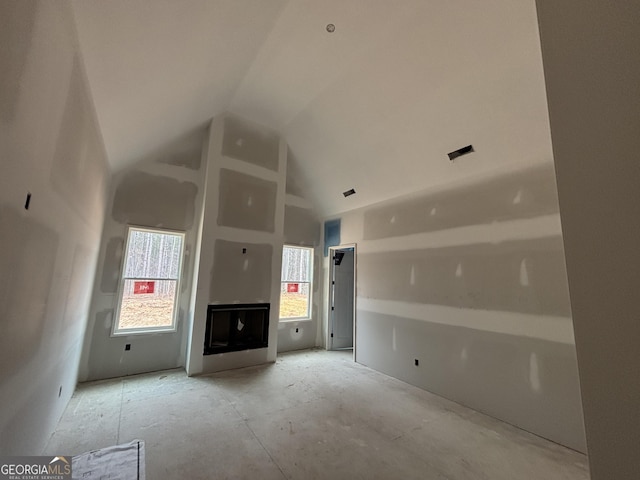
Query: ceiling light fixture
331	28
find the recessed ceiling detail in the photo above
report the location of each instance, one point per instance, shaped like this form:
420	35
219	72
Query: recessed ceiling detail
349	192
331	28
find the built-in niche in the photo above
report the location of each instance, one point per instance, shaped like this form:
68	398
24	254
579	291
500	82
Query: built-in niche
235	327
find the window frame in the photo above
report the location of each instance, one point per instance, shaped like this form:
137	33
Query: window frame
118	332
307	317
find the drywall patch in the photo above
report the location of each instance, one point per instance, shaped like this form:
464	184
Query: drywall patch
534	373
394	340
479	276
152	200
27	260
524	273
246	201
464	355
301	227
250	143
241	277
111	266
526	194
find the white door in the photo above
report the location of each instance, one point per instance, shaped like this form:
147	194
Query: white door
342	299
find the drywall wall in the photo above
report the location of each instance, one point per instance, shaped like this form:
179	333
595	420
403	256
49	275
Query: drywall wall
592	71
166	192
51	147
301	228
240	253
470	281
241	272
246	201
250	143
144	198
301	225
483	276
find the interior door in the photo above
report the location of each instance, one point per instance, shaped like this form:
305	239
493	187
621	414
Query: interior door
342	301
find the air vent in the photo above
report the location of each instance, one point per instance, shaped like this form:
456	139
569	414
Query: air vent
460	152
349	192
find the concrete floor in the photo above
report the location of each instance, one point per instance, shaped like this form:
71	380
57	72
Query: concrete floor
312	415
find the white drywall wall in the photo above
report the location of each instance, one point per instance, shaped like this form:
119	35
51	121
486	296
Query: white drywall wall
470	281
592	71
50	146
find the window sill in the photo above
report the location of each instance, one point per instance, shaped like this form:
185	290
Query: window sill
295	320
149	331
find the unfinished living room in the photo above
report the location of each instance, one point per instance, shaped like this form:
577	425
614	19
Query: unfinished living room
306	240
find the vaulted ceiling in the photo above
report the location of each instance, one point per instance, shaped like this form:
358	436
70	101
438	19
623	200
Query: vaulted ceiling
375	105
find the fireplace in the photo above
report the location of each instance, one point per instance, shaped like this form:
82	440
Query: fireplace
235	327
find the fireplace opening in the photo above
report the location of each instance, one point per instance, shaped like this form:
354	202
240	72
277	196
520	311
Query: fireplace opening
235	327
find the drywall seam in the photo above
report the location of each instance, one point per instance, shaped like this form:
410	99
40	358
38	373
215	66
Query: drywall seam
234	234
248	169
496	232
296	201
544	327
167	170
447	185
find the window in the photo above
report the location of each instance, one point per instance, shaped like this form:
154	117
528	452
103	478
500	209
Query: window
149	285
295	289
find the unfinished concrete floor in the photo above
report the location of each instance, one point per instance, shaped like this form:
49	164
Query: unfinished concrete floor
312	415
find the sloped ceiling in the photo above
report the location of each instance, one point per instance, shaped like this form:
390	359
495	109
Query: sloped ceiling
376	105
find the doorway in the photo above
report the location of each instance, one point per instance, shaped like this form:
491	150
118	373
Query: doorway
342	292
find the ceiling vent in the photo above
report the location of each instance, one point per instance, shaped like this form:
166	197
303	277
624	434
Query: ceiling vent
461	151
349	192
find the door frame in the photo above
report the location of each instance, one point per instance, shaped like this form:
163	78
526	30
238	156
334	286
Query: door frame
332	250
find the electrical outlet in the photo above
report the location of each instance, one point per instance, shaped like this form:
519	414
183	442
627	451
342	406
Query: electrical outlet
296	329
127	347
416	362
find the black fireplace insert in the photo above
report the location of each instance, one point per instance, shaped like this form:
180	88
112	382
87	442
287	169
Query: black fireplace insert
235	327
